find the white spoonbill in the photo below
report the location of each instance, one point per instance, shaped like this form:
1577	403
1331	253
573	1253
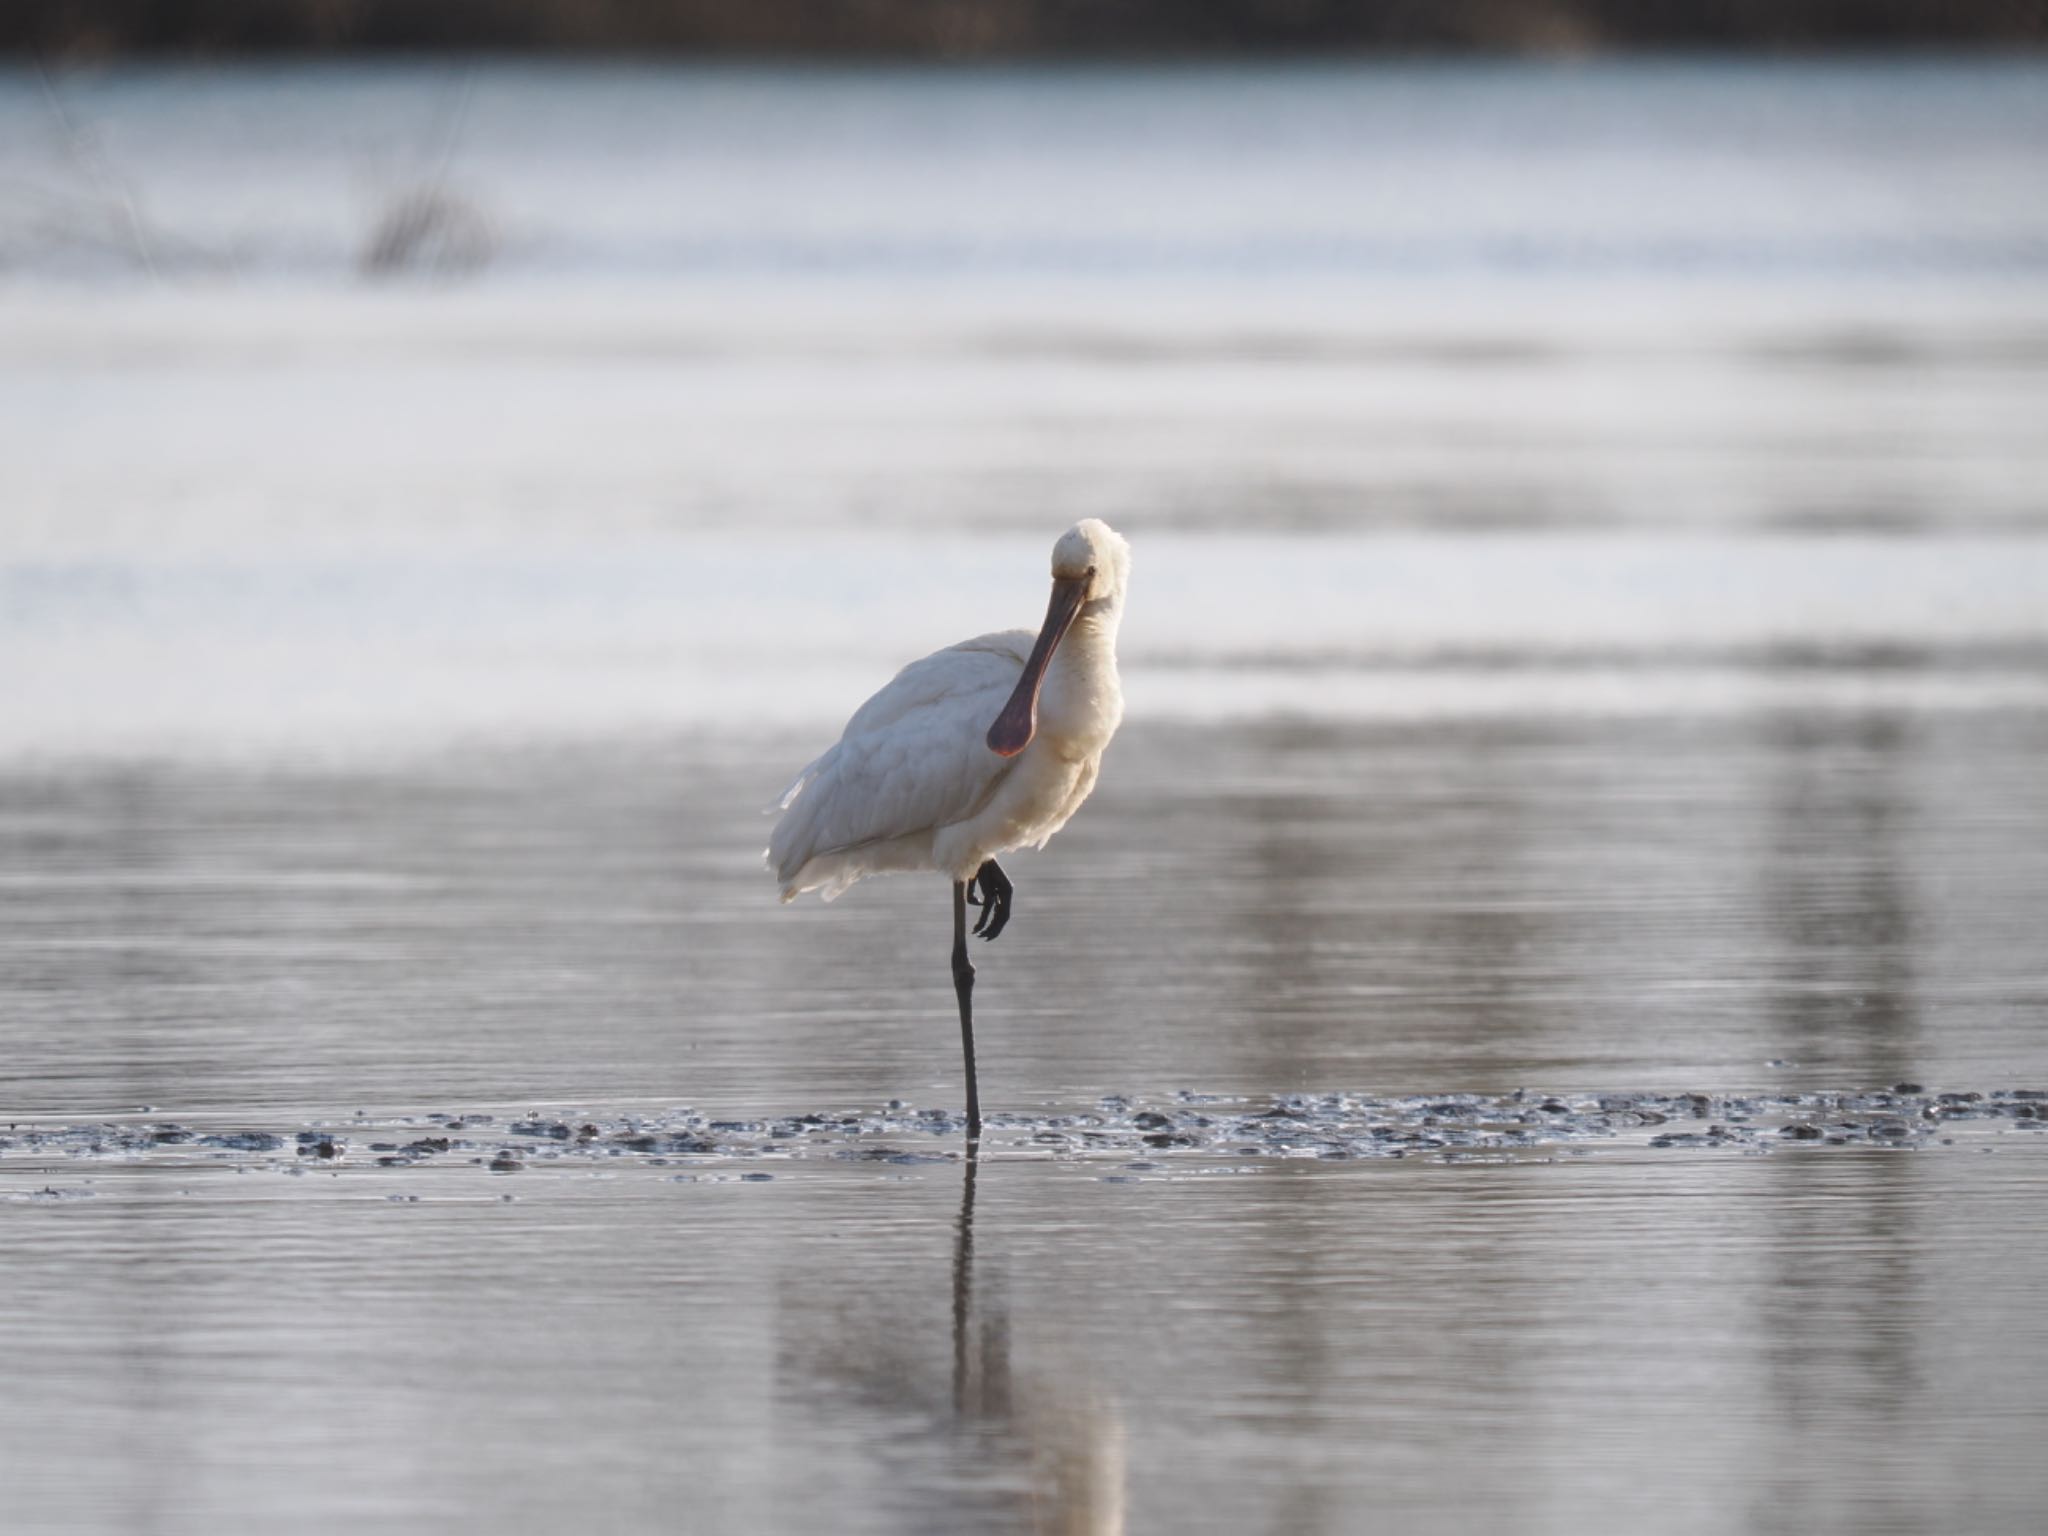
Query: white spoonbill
983	747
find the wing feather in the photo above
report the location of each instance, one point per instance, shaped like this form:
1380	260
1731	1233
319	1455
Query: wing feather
913	758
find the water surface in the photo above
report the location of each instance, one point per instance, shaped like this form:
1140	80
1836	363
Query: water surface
1588	648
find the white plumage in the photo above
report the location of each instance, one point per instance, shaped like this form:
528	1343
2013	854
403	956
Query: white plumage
914	782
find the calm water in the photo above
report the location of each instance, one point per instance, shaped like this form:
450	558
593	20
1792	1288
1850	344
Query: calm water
1589	635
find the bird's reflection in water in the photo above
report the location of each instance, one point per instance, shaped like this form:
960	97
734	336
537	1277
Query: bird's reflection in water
1071	1435
1004	1436
981	1340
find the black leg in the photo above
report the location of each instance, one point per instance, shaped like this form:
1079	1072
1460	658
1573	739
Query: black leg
995	899
963	987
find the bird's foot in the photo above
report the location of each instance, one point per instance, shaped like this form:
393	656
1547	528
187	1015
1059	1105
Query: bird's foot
990	890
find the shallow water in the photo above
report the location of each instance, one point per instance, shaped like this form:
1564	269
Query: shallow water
1540	1024
1834	902
1709	1342
461	1189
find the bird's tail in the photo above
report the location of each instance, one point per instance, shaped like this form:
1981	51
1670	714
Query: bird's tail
787	798
777	855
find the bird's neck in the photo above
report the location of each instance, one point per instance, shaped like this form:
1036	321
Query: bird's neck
1090	645
1082	699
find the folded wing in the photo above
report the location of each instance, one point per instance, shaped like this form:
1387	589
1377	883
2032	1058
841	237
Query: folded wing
913	758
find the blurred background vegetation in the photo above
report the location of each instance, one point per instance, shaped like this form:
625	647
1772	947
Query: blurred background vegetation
1008	28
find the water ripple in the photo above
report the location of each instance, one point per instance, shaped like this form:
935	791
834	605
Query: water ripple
1166	1133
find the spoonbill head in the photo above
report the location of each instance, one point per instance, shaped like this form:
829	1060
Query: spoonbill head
1090	564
